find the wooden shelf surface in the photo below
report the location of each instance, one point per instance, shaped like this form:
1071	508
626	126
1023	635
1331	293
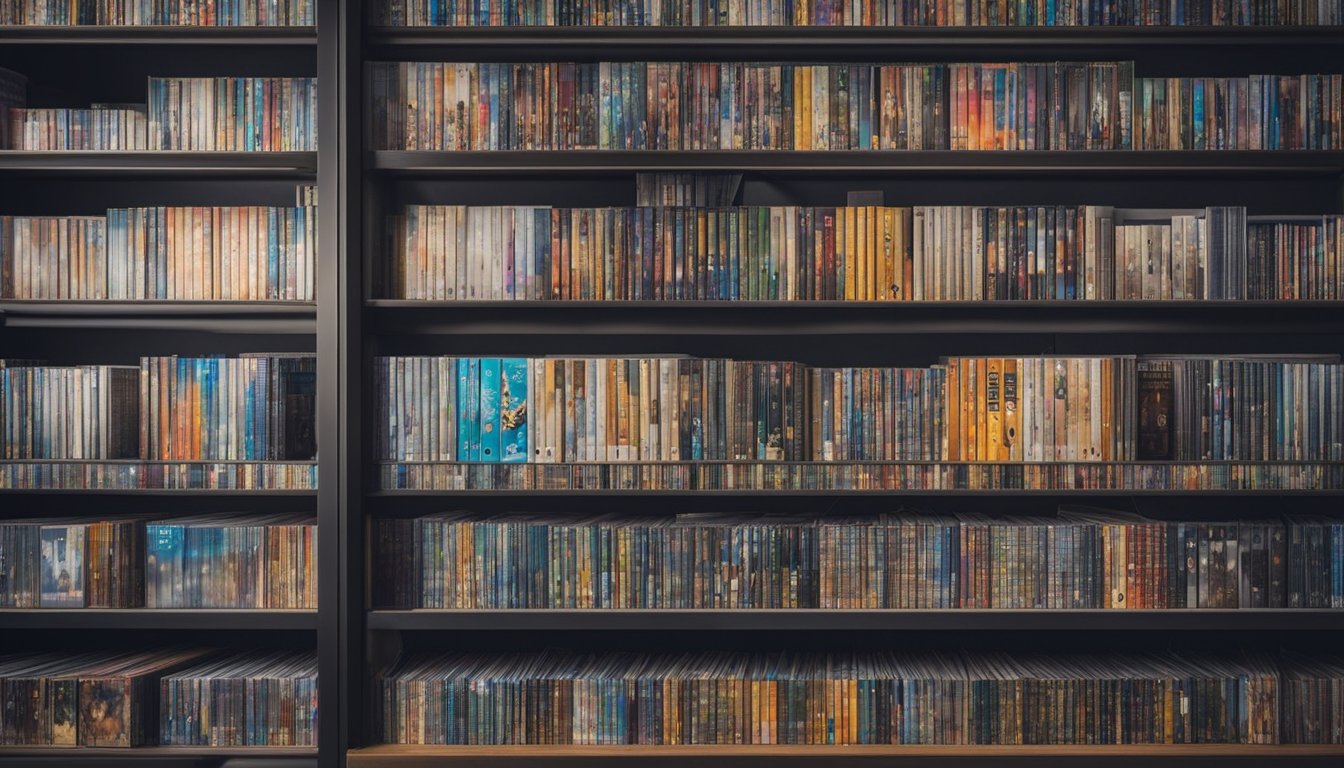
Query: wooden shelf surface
1237	163
789	620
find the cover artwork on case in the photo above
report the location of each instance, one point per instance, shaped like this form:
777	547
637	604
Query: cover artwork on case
490	409
63	566
513	410
104	713
64	702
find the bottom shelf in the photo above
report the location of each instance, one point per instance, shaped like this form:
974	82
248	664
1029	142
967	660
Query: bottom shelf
760	756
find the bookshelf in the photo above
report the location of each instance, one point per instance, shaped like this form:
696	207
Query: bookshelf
841	333
348	325
73	66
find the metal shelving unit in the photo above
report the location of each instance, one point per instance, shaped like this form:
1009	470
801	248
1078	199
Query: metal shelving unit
56	182
389	326
347	328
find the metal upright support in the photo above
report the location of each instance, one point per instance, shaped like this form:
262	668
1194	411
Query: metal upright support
339	334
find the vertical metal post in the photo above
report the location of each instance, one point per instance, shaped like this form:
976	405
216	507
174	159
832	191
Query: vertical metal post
340	638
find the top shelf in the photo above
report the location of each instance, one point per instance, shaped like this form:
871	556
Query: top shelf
158	35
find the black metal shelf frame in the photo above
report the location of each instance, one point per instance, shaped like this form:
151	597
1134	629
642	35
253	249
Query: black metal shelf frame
174	45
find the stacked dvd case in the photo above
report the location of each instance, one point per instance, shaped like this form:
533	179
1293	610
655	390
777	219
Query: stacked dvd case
253	253
750	106
589	409
218	561
246	700
257	407
231	561
1075	559
837	698
107	127
1260	408
94	699
73	412
858	253
1313	700
104	13
238	114
1284	112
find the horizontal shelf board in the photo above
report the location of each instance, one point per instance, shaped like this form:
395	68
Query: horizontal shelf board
416	756
939	162
190	165
14	34
157	619
816	40
791	318
289	317
780	620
